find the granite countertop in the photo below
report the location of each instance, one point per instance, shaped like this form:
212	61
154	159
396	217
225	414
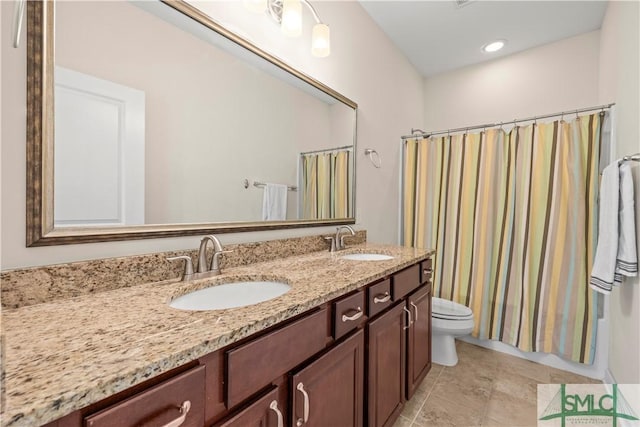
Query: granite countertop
64	355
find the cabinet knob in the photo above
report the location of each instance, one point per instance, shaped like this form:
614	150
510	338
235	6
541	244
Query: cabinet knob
358	314
184	410
274	407
427	271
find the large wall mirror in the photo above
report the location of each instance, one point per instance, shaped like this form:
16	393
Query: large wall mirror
147	119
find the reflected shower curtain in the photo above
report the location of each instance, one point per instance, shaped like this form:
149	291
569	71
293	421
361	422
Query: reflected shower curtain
512	217
325	185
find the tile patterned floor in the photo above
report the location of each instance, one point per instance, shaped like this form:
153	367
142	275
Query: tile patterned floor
485	388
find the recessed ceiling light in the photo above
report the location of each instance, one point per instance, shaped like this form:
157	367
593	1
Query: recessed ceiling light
494	46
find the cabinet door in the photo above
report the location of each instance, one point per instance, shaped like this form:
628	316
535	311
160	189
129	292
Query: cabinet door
386	367
419	345
267	411
329	391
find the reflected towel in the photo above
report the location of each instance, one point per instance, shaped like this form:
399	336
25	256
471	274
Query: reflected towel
616	252
274	202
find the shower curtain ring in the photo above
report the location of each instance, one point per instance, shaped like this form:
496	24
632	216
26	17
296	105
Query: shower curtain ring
370	152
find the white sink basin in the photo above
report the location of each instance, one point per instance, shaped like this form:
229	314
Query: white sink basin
367	257
230	295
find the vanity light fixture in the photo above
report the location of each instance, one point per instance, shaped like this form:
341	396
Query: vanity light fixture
288	14
494	46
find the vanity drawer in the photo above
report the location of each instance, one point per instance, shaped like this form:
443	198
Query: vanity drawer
348	314
255	364
158	405
426	270
379	297
405	281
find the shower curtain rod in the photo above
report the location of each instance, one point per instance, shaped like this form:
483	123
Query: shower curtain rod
419	133
344	147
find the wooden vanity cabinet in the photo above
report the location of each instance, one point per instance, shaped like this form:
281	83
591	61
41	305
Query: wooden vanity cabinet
399	346
386	355
318	369
329	391
419	338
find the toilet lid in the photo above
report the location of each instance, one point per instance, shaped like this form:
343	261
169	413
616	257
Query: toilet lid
445	309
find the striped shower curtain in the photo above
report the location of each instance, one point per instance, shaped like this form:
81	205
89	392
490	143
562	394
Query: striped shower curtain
512	216
325	185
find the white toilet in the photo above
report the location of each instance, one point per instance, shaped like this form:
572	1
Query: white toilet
449	320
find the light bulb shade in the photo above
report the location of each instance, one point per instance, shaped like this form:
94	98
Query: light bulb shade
256	6
291	18
321	41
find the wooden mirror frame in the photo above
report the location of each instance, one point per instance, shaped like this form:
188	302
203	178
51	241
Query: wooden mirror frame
40	140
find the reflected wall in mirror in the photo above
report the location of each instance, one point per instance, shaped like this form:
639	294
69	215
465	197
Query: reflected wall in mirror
154	124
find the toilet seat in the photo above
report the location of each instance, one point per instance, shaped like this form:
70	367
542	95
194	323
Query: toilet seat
449	310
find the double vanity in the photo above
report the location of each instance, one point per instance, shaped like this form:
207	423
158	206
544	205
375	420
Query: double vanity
346	344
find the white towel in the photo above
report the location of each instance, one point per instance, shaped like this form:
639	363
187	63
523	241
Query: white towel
274	202
616	251
627	260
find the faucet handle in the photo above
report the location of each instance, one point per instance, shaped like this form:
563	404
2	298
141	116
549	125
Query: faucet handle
188	265
215	260
332	247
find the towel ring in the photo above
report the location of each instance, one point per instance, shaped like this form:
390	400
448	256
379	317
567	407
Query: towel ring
377	162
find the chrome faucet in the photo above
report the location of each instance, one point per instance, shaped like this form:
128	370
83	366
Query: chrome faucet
340	239
337	241
204	270
202	253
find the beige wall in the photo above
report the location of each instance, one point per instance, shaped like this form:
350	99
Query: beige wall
620	83
547	79
211	119
364	65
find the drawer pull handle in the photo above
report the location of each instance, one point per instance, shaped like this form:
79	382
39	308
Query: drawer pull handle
358	314
427	271
380	298
409	321
184	410
415	307
305	418
274	407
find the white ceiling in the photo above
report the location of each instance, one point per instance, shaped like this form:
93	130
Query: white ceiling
439	36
